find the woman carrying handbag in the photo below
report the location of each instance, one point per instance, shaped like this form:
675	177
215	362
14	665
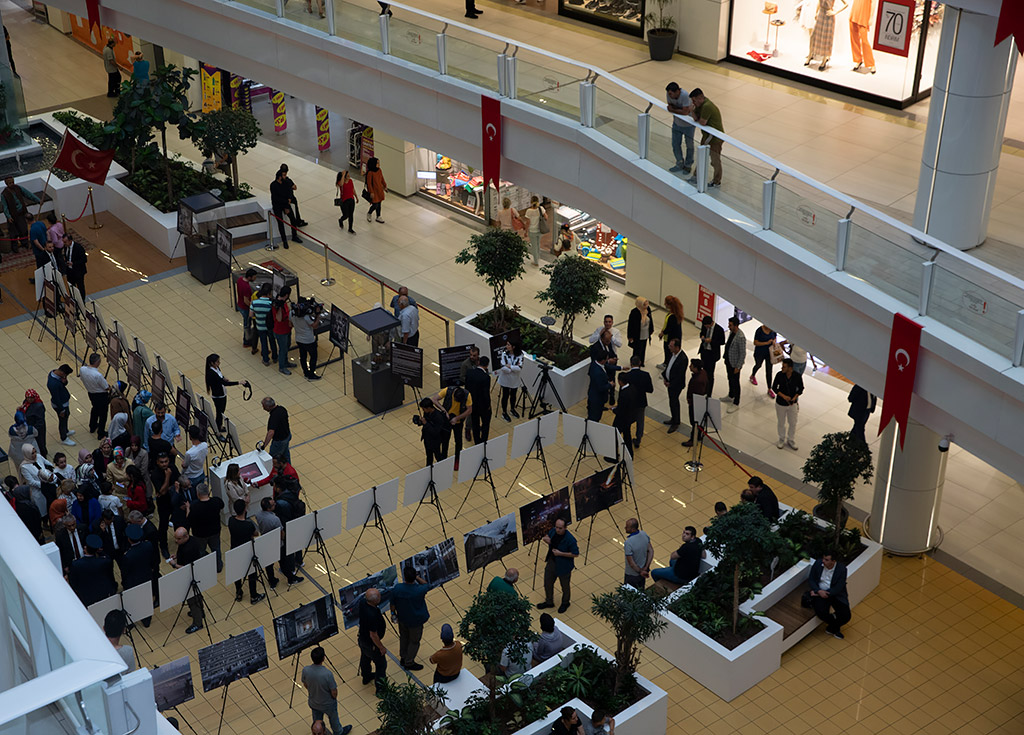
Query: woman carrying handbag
375	189
346	200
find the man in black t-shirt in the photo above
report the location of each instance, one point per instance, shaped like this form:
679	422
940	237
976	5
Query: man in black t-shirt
241	531
204	521
373	663
788	385
279	433
280	201
189	550
164	476
685	560
765	499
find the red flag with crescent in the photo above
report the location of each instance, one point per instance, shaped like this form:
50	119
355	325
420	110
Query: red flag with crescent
490	129
1011	23
86	163
900	373
92	8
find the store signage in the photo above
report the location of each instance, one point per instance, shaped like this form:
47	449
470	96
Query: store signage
235	87
893	25
210	80
490	132
1011	23
280	113
323	129
705	303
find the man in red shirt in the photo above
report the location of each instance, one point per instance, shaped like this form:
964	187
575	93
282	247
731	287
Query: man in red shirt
280	312
280	468
243	287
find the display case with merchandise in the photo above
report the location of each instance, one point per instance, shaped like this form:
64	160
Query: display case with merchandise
626	16
596	241
883	51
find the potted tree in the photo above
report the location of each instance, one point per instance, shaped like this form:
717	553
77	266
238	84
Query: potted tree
633	615
497	255
496	621
407	709
231	132
661	31
576	287
835	465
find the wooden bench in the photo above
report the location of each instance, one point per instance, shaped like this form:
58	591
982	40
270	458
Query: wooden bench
243	220
788	612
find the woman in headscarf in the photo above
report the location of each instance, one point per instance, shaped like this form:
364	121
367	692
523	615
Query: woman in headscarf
118	402
141	411
136	491
138	457
35	416
58	509
21	434
117	471
28	512
85	510
37	473
86	470
103	456
66	492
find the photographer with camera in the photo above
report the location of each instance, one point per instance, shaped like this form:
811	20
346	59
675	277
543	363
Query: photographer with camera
307	315
434	431
280	313
457	405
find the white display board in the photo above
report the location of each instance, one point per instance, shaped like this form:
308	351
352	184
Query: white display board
137	602
443	474
299	531
713	406
266	547
523	435
174	586
469	464
140	347
497	452
360	504
604	437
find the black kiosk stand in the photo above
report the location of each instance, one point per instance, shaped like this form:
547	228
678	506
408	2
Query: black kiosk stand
373	383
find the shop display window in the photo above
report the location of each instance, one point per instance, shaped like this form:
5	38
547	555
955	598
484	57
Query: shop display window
450	181
626	16
879	50
595	241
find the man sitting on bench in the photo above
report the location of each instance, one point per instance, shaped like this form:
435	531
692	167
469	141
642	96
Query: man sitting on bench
685	561
828	590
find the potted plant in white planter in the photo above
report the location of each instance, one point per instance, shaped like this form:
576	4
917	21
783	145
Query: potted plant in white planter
661	30
835	465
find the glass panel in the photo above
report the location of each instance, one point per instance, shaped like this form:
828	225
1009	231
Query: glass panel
616	118
659	150
805	216
472	62
267	6
312	13
357	24
413	43
886	259
741	186
557	91
974	311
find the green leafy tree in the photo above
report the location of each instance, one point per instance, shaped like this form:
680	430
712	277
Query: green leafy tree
745	543
633	615
576	287
497	255
407	709
154	103
835	465
497	621
230	132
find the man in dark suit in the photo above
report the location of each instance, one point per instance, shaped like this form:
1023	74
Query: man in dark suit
862	405
712	337
70	543
641	380
597	392
674	378
765	498
626	411
827	581
76	259
111	528
478	383
140	563
92	576
698	387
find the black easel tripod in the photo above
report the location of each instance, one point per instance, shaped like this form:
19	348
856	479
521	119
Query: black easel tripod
378	522
538	447
321	546
581	452
261	578
591	530
224	702
542	383
129	624
178	713
295	676
193	591
484	471
431	491
483	574
694	464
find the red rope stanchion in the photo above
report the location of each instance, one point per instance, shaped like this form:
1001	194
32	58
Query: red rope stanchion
85	206
724	451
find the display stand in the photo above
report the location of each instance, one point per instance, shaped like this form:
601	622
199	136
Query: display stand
177	711
581	452
256	568
224	702
434	500
694	464
193	591
542	383
46	278
483	574
591	530
378	522
484	472
321	545
344	370
538	447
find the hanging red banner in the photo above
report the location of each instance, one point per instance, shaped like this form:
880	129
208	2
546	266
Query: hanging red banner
705	303
323	129
1011	23
490	129
900	373
280	113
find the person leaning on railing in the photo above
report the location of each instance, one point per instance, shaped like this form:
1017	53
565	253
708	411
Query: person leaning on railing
707	114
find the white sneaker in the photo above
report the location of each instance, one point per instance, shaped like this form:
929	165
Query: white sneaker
69	442
732	409
780	443
380	220
792	445
71	432
369	216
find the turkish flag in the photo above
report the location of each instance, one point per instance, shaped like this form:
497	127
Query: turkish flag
490	129
899	375
86	163
1011	22
92	7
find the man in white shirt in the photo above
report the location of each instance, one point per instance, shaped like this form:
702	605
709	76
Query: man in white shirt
193	466
409	316
99	394
609	320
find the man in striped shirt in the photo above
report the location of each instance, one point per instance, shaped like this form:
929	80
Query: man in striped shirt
261	316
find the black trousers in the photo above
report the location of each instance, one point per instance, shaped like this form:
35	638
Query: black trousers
372	663
307	357
252	586
79	283
857	432
627	436
220	403
375	207
470	6
565	580
835	621
673	404
480	424
279	213
163	510
113	83
506	394
348	209
767	368
734	384
709	370
640	350
436	452
98	415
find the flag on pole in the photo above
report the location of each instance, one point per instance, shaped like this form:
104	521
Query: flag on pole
86	163
900	373
1011	23
92	7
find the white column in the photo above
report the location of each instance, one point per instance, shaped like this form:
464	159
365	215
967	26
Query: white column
908	490
966	120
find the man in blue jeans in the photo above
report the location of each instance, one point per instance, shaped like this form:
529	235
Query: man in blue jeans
323	692
679	104
279	432
60	398
686	560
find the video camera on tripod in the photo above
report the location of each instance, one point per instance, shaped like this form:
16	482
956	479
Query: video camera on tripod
308	306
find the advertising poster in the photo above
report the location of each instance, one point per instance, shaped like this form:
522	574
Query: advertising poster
323	129
210	82
224	244
450	360
339	329
366	149
280	114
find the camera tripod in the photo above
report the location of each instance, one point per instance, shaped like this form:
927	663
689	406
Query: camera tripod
434	500
482	472
542	382
261	578
378	522
694	464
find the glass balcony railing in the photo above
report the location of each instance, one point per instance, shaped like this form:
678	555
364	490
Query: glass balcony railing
987	307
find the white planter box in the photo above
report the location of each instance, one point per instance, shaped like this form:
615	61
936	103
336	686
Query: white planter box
730	673
649	716
571	383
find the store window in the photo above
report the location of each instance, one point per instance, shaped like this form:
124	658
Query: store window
626	16
454	183
879	50
593	240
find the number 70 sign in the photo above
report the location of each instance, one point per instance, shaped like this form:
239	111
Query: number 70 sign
893	25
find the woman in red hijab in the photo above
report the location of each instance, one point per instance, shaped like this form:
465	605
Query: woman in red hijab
35	416
58	509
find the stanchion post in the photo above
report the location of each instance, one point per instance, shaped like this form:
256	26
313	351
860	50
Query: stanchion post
92	203
327	280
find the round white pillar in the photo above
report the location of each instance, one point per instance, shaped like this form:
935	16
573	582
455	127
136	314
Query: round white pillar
966	120
908	491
